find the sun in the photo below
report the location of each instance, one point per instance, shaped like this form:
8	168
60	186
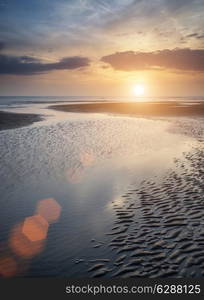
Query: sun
139	89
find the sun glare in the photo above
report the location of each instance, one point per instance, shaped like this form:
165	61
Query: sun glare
139	90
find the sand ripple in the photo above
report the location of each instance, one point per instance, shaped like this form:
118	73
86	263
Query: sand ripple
159	226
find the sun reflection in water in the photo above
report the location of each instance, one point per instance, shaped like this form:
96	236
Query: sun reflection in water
87	159
74	175
116	202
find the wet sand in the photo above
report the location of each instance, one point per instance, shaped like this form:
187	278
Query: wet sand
9	120
158	229
14	120
137	108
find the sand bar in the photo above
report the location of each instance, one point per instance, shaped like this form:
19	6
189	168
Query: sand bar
10	120
137	108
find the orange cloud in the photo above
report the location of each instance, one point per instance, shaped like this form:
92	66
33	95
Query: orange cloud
176	59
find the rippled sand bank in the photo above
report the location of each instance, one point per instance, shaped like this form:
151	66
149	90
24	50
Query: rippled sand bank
158	229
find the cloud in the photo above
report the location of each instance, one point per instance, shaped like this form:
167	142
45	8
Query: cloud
200	37
36	26
175	5
176	59
152	12
192	35
2	45
195	35
26	65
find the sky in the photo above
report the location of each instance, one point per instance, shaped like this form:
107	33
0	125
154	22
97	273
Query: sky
101	47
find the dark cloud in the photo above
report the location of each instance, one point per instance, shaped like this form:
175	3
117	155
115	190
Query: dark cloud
195	35
176	59
200	37
2	45
25	65
192	35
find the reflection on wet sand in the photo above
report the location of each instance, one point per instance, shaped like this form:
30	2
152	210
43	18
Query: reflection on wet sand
87	158
76	173
94	228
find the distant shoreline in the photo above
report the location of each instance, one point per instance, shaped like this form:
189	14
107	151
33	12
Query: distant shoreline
11	120
137	108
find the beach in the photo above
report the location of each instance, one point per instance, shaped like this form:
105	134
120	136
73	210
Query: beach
101	147
10	120
126	183
160	108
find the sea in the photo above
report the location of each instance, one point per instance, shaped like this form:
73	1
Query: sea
8	101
